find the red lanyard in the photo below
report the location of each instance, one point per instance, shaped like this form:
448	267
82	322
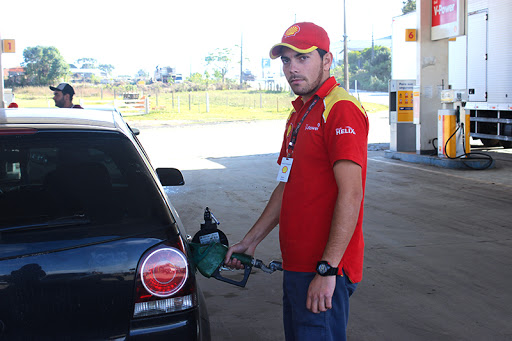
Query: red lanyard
295	132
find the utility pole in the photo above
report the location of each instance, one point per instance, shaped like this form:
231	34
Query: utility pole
373	47
241	57
345	49
2	105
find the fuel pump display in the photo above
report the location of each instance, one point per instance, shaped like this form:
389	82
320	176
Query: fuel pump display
209	247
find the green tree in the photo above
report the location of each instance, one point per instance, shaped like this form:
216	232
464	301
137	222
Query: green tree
44	65
87	63
142	74
108	68
371	68
409	6
217	75
220	60
196	78
95	79
207	77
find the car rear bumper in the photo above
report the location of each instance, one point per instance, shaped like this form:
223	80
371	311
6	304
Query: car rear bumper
188	325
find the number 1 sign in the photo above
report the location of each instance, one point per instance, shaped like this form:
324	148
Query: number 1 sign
8	46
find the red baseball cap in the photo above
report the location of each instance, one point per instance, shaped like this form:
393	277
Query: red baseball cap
302	37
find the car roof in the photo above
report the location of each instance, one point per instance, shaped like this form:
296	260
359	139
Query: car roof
61	118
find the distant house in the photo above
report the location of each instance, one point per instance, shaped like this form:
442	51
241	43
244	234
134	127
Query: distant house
15	75
165	74
86	73
14	72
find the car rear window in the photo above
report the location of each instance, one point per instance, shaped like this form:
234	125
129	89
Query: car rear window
92	176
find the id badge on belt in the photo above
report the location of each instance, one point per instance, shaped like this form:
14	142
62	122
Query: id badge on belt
284	170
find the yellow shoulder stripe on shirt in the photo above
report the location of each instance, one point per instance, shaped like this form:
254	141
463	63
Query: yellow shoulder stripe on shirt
336	95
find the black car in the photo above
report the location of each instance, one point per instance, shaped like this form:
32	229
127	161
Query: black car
90	246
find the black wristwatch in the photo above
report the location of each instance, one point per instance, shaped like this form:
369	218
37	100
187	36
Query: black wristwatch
323	268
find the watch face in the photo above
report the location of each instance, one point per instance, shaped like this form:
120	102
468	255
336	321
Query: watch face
322	268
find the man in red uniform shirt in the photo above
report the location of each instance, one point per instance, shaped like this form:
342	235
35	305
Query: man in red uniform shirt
318	202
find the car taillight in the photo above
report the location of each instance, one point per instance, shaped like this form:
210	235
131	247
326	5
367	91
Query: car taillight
164	272
163	283
18	131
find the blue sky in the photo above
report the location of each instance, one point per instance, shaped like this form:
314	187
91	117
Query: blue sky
134	35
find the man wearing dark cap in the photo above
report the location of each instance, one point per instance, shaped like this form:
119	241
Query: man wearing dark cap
63	96
318	202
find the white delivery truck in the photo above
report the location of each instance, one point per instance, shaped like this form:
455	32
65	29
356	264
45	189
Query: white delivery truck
480	64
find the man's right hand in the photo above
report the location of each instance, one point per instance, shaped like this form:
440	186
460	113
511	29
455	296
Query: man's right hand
236	248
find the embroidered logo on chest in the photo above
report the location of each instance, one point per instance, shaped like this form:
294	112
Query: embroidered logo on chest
308	127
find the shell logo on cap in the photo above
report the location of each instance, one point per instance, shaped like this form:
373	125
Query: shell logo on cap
292	31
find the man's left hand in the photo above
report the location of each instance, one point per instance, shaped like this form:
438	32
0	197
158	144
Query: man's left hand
320	293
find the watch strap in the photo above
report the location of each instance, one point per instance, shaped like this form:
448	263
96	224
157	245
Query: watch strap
331	271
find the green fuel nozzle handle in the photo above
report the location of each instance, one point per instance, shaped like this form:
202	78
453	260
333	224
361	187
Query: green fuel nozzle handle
209	259
243	258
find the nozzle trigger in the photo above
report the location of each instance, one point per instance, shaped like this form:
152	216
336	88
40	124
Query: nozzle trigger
240	283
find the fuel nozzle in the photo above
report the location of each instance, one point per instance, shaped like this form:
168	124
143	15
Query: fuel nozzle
209	260
208	250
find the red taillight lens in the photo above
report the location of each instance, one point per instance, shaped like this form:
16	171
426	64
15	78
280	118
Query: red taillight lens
18	131
164	272
164	284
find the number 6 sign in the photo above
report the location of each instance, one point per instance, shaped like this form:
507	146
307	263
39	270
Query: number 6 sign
410	35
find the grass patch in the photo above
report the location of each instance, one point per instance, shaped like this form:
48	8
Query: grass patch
224	105
374	107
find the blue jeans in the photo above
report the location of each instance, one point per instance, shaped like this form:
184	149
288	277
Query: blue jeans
302	325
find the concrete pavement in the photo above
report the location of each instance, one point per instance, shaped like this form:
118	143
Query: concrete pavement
438	262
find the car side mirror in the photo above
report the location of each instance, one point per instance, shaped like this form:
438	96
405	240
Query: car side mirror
170	177
135	131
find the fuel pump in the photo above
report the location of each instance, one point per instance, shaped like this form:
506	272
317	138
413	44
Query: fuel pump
453	126
209	247
453	132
